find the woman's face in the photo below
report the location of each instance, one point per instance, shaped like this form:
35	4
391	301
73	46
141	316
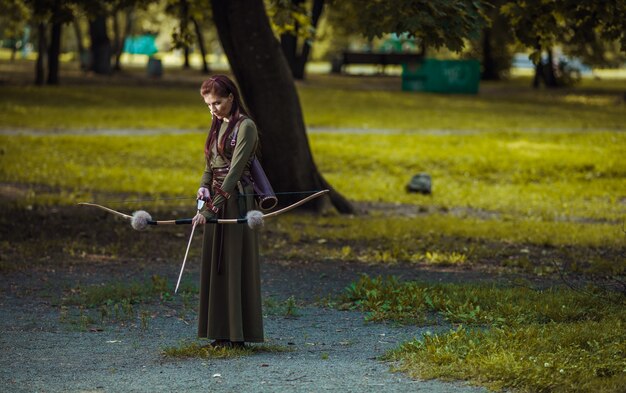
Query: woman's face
219	106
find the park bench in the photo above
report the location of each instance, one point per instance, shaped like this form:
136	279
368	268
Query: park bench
379	58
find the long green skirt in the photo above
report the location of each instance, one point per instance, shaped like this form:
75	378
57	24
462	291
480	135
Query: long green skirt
230	299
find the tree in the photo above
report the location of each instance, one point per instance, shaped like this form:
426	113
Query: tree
100	45
297	27
57	13
54	49
268	87
495	44
541	25
14	15
200	15
187	11
266	83
440	23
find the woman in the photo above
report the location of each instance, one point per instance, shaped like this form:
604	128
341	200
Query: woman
230	285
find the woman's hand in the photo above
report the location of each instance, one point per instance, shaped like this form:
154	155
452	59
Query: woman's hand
199	219
203	193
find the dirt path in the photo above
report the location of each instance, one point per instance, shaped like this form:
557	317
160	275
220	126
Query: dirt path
327	350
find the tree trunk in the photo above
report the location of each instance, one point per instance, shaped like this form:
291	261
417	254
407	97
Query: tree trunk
289	46
128	26
118	45
266	83
82	54
549	75
184	24
538	75
53	53
303	58
297	59
538	68
100	46
200	37
490	73
41	54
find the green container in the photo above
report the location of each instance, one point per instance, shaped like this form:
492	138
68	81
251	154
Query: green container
442	76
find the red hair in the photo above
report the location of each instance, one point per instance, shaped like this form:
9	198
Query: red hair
222	86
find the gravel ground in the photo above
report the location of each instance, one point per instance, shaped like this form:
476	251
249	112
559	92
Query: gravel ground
330	350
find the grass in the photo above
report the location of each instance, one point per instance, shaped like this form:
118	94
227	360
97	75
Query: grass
333	107
96	107
552	340
575	357
479	304
203	350
529	188
85	164
327	101
95	305
131	292
553	176
287	308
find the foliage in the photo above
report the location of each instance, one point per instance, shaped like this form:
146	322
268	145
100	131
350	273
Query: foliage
442	23
13	17
535	340
288	16
542	24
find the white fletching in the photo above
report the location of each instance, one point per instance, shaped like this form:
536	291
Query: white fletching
255	219
140	219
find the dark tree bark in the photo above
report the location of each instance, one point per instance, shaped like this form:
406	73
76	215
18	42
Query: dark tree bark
41	54
289	43
549	69
289	46
13	51
100	46
545	72
303	58
53	53
118	45
184	25
490	71
269	91
538	77
200	38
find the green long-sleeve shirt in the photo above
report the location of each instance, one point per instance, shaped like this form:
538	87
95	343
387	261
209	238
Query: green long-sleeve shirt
240	157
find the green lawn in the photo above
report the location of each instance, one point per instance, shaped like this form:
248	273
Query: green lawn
554	340
326	101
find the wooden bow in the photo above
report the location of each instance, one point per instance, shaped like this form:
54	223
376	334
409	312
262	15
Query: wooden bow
141	219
